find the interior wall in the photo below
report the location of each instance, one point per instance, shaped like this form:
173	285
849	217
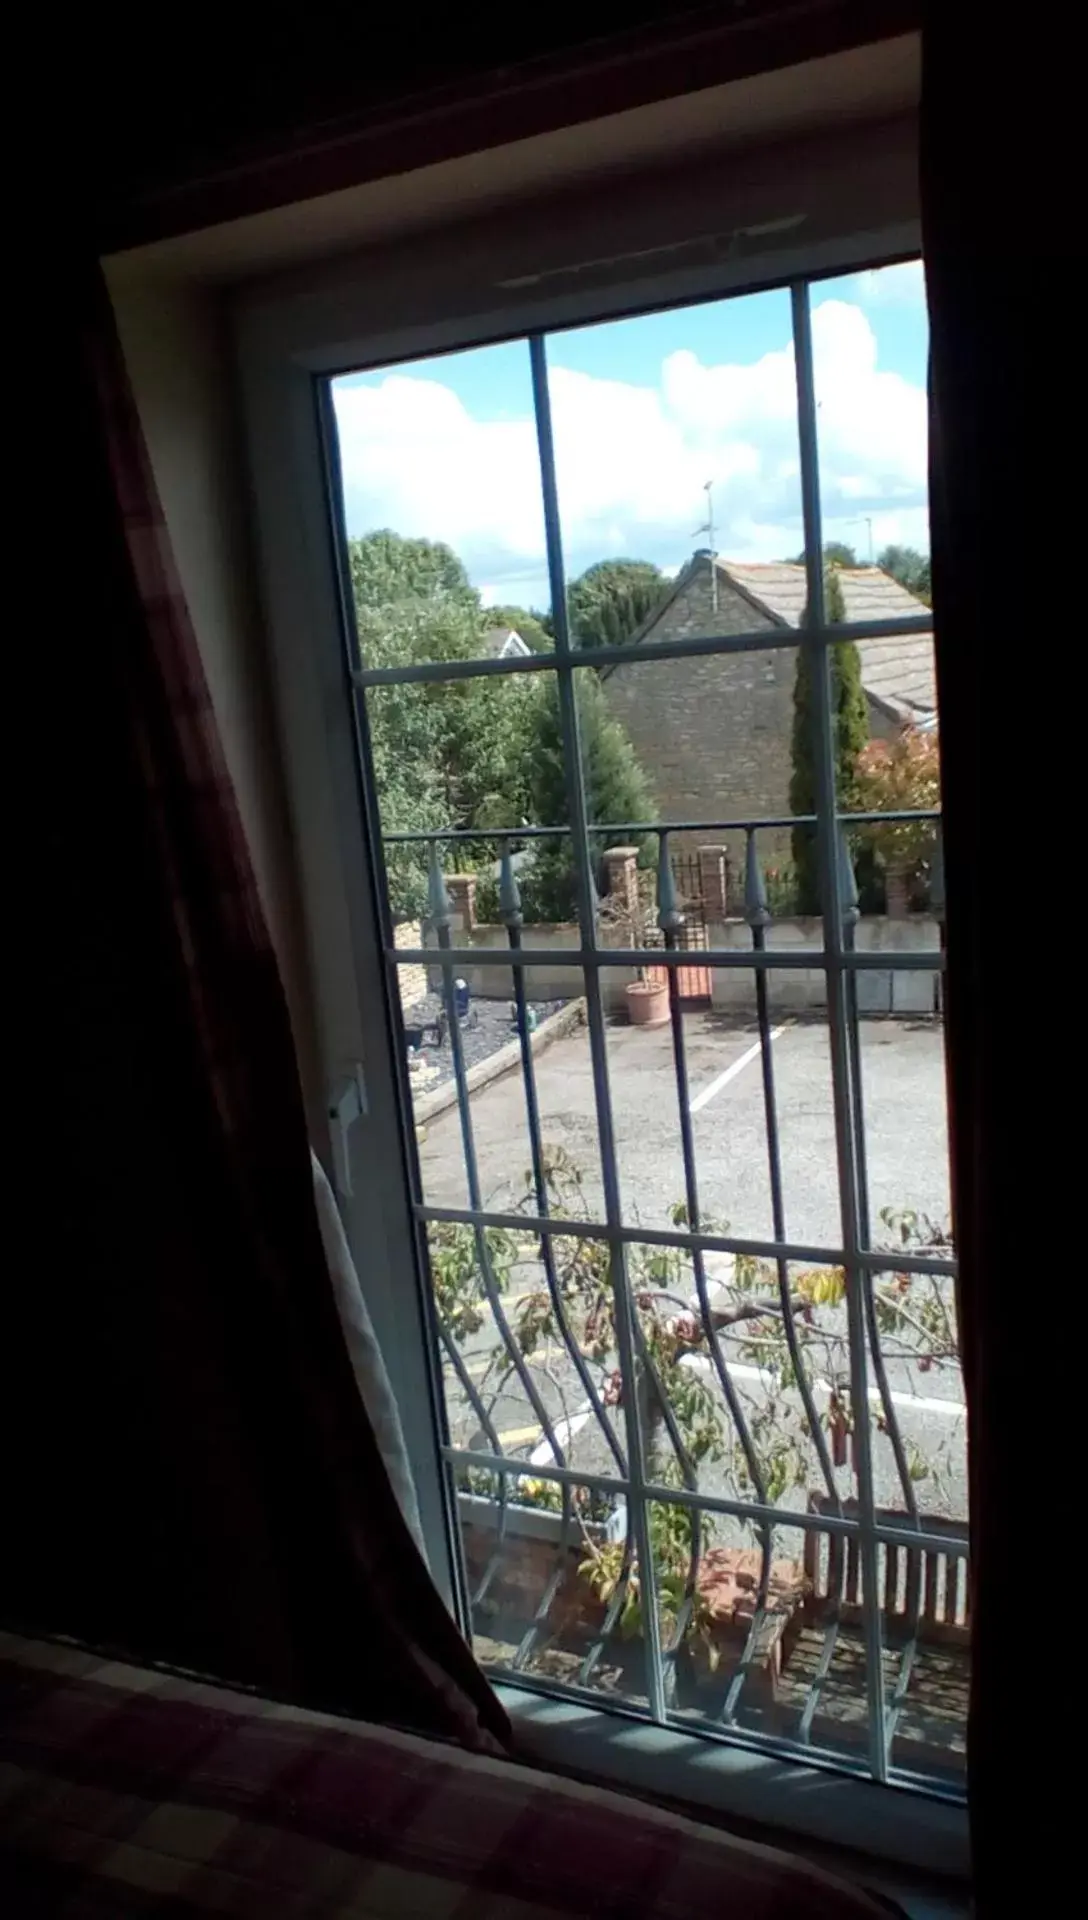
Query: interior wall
177	348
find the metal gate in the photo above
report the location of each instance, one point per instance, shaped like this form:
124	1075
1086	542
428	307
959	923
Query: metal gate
693	983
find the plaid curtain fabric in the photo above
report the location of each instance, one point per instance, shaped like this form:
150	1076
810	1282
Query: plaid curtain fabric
991	331
192	1426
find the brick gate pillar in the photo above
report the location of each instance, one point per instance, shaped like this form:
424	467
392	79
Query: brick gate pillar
461	888
621	873
714	881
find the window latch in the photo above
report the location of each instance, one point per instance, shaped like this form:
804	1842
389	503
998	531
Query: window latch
347	1104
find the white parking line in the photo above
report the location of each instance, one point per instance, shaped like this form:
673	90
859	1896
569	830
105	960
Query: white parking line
917	1402
565	1431
743	1060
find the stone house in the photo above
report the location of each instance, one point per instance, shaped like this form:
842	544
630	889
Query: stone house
713	733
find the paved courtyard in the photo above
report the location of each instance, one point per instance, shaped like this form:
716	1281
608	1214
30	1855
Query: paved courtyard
905	1127
907	1167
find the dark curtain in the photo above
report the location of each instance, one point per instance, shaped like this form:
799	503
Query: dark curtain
188	1472
998	301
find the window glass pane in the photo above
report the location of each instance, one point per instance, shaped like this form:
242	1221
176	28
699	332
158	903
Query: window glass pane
441	493
919	1437
514	1166
553	1583
748	1080
675	433
905	1112
870	343
529	1345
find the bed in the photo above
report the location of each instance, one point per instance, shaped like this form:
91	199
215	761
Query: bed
126	1791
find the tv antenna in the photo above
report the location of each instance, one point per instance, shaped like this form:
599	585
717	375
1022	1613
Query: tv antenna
708	528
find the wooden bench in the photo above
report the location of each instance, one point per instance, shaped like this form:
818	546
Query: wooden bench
935	1582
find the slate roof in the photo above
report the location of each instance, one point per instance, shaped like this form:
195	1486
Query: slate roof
897	673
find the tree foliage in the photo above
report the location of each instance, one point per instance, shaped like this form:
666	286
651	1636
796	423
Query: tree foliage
611	599
741	1323
850	724
615	786
910	568
388	569
475	752
525	621
453	754
836	554
900	775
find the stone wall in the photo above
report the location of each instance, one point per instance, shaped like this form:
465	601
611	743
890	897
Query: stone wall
712	733
795	990
412	981
804	989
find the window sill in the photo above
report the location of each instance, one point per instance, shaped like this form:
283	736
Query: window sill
895	1826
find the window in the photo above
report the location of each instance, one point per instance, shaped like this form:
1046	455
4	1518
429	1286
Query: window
646	908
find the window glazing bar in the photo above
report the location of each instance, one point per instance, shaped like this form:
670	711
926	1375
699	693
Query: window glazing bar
875	1260
638	1514
426	836
827	834
689	647
839	1525
592	959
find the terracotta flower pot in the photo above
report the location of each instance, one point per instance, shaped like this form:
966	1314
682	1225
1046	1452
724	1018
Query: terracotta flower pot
647	1003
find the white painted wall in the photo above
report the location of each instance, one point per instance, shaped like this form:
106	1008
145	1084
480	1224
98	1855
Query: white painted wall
177	350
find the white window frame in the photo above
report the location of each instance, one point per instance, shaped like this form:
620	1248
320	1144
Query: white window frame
855	208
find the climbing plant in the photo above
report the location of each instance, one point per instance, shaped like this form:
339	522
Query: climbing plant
689	1329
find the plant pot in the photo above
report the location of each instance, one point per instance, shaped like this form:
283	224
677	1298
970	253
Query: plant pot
647	1003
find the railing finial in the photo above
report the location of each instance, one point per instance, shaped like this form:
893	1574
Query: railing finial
439	904
755	893
848	888
936	875
669	917
509	892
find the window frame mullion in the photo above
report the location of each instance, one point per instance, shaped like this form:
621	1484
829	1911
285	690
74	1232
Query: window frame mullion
626	1340
815	639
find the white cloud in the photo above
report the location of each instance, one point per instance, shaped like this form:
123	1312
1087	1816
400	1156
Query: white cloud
632	459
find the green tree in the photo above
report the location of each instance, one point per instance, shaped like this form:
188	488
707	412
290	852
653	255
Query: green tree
836	554
850	722
615	786
526	621
388	569
611	599
910	568
453	754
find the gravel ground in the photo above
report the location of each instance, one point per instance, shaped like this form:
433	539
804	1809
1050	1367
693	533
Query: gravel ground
490	1025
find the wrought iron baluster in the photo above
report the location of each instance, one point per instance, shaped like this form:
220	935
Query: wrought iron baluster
614	1610
670	920
440	913
510	910
848	896
622	1306
758	917
488	1428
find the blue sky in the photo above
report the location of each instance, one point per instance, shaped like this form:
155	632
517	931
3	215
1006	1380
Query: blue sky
646	411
